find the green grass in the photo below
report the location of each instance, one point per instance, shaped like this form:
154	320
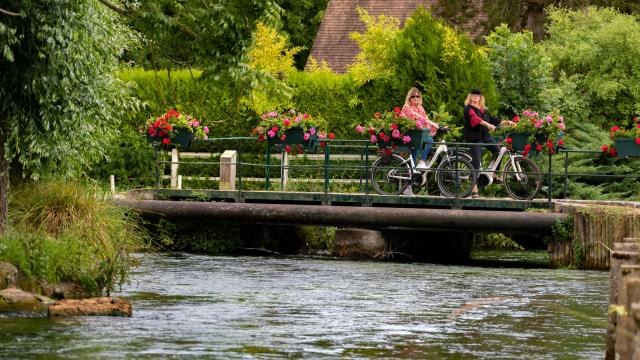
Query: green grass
66	231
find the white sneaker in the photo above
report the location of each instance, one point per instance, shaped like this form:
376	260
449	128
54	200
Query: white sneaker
421	165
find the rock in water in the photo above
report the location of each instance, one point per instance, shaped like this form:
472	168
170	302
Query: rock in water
100	306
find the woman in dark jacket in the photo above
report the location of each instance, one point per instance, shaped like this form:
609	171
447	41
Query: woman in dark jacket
477	124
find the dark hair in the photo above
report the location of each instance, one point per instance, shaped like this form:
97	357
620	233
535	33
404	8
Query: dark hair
476	91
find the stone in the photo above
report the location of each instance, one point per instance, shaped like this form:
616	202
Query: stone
8	275
14	299
65	290
358	243
100	306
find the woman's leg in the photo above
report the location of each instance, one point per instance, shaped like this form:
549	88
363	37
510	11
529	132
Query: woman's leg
476	156
427	148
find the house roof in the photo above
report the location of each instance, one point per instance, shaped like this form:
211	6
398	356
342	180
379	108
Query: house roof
332	43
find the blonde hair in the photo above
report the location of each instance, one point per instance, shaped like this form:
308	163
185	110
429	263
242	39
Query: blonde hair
413	90
467	101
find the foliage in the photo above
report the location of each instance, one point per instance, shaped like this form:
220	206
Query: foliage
562	230
274	125
301	20
46	99
520	70
632	132
270	55
390	127
374	59
66	231
594	55
442	62
495	241
165	126
545	132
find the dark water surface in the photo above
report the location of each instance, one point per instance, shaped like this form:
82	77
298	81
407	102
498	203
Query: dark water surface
191	306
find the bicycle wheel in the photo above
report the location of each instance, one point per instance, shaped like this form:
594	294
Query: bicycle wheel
390	175
455	177
524	181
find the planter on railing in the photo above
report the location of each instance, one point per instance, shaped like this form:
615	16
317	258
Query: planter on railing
626	147
418	137
520	140
183	138
295	136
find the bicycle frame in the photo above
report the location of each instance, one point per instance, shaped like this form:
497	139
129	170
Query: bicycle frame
485	178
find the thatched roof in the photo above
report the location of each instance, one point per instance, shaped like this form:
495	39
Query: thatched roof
333	44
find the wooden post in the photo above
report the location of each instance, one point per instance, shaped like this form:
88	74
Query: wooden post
284	171
228	170
624	253
112	183
174	168
629	292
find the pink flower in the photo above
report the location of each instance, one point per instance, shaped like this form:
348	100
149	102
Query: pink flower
418	124
271	133
562	126
360	129
526	113
374	139
406	139
283	137
306	136
190	123
205	129
549	119
286	122
538	123
297	119
321	136
396	134
196	123
535	114
312	131
560	119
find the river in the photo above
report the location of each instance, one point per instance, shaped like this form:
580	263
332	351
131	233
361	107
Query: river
194	306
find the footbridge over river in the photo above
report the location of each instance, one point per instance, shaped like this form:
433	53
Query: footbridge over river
348	210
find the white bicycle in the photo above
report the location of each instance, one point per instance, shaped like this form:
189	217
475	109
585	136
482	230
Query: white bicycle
520	175
392	174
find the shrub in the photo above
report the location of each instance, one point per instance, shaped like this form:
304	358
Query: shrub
64	231
520	70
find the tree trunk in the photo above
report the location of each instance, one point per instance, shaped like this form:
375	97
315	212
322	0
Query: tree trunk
4	175
534	17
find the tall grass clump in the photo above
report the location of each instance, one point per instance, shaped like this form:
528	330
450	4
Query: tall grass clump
66	231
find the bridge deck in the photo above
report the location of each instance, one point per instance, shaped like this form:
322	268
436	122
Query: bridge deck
351	199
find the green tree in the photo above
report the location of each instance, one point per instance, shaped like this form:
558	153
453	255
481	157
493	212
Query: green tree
60	102
301	20
520	70
441	61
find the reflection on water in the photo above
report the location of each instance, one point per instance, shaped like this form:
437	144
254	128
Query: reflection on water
191	306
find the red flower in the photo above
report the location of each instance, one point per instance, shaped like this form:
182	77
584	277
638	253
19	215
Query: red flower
394	127
508	140
287	148
397	110
527	148
305	116
613	152
371	131
539	147
551	151
274	129
387	152
166	141
283	137
604	148
525	153
614	128
560	142
638	141
169	128
156	123
549	144
516	118
332	136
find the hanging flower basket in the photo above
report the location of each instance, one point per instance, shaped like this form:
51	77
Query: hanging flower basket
293	131
174	128
627	147
296	136
417	138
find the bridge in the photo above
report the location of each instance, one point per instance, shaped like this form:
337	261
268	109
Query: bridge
333	188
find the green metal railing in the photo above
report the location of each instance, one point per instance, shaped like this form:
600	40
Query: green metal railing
363	148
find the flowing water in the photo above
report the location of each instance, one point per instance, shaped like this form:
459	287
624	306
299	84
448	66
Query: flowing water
191	306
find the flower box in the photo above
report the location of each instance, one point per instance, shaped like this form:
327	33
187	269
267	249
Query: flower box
520	140
418	138
626	147
183	138
295	136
